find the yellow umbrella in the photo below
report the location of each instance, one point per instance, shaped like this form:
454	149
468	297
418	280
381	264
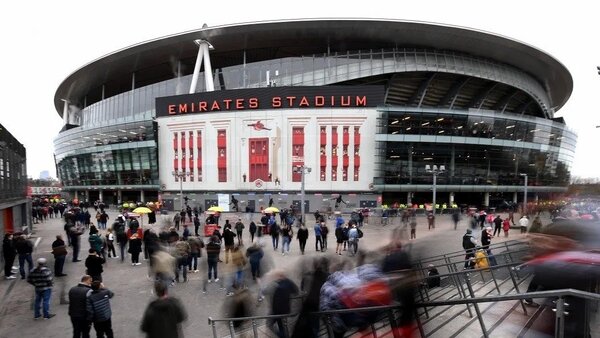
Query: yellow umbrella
216	208
142	210
271	210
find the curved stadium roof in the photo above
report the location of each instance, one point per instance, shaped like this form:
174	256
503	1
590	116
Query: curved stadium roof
306	36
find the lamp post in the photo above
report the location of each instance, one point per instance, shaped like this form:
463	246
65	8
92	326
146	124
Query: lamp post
180	174
434	170
525	195
302	170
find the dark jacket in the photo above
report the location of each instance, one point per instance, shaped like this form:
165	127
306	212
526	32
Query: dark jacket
284	289
98	305
93	264
77	301
23	246
212	250
162	318
135	245
302	234
229	237
8	248
59	248
252	227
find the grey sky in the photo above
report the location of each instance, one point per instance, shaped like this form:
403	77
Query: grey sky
44	43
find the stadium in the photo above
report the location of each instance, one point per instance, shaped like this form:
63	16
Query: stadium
357	108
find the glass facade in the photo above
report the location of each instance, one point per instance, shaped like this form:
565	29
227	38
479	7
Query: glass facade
476	148
13	171
109	154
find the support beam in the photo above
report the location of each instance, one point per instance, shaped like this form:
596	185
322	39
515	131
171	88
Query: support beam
453	92
419	95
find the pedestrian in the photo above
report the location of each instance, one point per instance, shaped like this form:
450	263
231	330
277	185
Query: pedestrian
286	237
469	243
239	227
196	246
339	239
78	307
252	230
497	225
121	239
135	248
353	235
318	237
536	225
164	315
110	244
523	223
182	256
163	266
229	240
93	263
431	220
186	232
274	231
196	225
455	218
177	220
98	309
486	240
302	236
213	248
24	249
238	260
255	254
75	235
506	226
59	250
283	291
95	241
324	232
413	227
41	279
9	252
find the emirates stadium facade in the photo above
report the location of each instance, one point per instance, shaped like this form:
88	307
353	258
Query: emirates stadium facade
361	105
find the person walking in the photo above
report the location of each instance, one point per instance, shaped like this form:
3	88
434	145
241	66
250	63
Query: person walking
284	289
431	220
252	230
255	254
196	246
59	251
506	226
24	249
163	316
41	279
98	309
324	232
213	248
455	218
353	236
286	237
196	225
302	236
239	227
177	220
469	243
93	263
318	237
229	239
523	223
78	307
413	227
274	231
182	255
9	252
497	225
110	244
135	248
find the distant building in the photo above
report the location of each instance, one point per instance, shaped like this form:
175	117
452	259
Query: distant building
44	175
15	208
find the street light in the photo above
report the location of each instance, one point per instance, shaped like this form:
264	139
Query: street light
181	175
302	170
524	195
435	170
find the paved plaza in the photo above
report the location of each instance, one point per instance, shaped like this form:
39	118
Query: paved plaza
132	287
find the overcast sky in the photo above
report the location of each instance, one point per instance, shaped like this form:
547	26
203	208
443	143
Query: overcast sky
44	42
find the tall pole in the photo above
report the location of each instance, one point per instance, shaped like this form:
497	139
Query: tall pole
525	197
181	192
302	193
434	186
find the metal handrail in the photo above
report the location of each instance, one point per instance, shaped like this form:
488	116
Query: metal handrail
240	319
470	259
461	252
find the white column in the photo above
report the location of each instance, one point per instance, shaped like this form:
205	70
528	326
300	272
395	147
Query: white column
208	78
451	200
119	196
65	112
142	197
486	199
196	68
515	196
100	195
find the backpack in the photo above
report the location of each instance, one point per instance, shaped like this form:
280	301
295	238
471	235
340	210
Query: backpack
360	233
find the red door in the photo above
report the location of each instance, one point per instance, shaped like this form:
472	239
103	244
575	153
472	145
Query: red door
259	159
8	220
